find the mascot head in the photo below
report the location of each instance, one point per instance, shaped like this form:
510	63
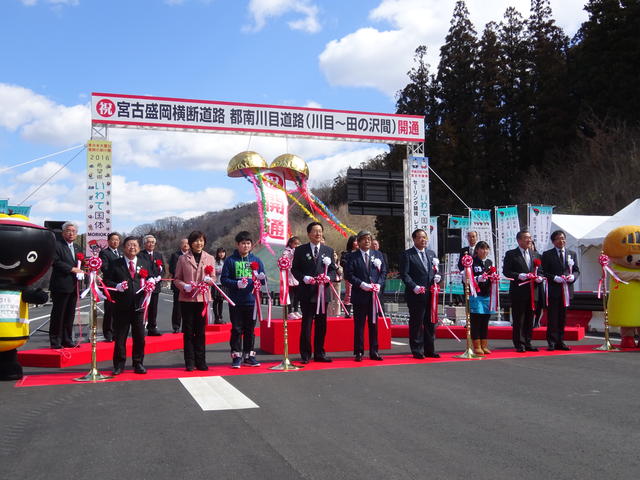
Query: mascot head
26	253
623	246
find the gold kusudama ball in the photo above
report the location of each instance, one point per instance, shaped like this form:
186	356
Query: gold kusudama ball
290	164
245	161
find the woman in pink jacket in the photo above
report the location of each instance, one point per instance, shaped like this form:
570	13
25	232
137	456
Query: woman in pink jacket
195	273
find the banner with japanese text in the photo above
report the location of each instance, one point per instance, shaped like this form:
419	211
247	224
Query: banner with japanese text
453	281
507	227
433	234
276	209
120	110
417	212
480	222
99	183
539	218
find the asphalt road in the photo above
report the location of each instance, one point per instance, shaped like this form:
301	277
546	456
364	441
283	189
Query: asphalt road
556	417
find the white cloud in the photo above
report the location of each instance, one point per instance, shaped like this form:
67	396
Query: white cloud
326	169
263	10
377	58
39	174
31	3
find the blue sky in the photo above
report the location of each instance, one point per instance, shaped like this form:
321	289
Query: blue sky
340	54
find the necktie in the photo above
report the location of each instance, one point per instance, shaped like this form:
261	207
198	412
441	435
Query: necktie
315	252
423	257
561	256
73	253
151	257
132	269
366	258
527	258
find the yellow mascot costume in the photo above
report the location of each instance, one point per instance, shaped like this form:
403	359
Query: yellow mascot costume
25	256
622	245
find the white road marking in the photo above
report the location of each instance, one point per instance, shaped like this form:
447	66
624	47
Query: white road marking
215	393
398	343
47	316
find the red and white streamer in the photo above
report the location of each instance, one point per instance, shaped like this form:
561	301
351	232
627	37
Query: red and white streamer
467	262
606	269
284	264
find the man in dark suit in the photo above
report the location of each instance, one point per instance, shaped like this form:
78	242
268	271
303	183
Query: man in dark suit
517	265
63	286
176	315
124	276
472	238
560	267
366	270
418	274
156	263
308	264
108	255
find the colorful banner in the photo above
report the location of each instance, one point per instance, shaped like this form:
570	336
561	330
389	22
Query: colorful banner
480	221
539	219
276	208
433	234
417	213
98	194
21	210
507	227
453	280
3	205
227	117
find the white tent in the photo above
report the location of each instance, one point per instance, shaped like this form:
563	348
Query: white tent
629	215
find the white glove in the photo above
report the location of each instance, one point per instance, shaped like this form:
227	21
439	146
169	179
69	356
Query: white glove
437	278
558	279
366	287
151	280
80	276
187	287
539	279
307	279
571	278
122	286
158	278
417	289
207	279
261	276
522	276
242	283
481	279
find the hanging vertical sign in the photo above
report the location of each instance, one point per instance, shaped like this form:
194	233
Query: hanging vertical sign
453	282
433	234
417	215
480	222
276	208
99	183
539	219
507	227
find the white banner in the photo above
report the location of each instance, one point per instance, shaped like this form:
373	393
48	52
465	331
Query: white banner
227	117
433	234
507	227
276	208
539	217
417	209
98	195
480	222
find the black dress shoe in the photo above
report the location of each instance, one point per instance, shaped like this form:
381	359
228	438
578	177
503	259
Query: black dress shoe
418	356
564	347
108	338
116	371
56	347
551	348
520	349
304	361
358	357
69	345
189	368
375	356
175	330
139	369
154	332
323	359
530	349
432	355
202	367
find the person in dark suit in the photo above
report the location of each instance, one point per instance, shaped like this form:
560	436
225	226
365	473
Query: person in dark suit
418	274
124	276
156	263
517	264
308	263
472	239
108	255
366	270
176	311
63	286
556	265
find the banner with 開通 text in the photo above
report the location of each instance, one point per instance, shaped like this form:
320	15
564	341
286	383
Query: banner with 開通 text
276	208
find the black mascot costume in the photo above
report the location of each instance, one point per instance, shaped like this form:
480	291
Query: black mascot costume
26	253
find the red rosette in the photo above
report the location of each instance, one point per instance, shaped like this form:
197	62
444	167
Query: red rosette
284	263
94	263
80	256
255	266
208	270
159	262
491	270
603	260
143	273
466	261
537	262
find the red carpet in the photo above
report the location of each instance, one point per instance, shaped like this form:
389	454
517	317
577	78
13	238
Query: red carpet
571	334
66	378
